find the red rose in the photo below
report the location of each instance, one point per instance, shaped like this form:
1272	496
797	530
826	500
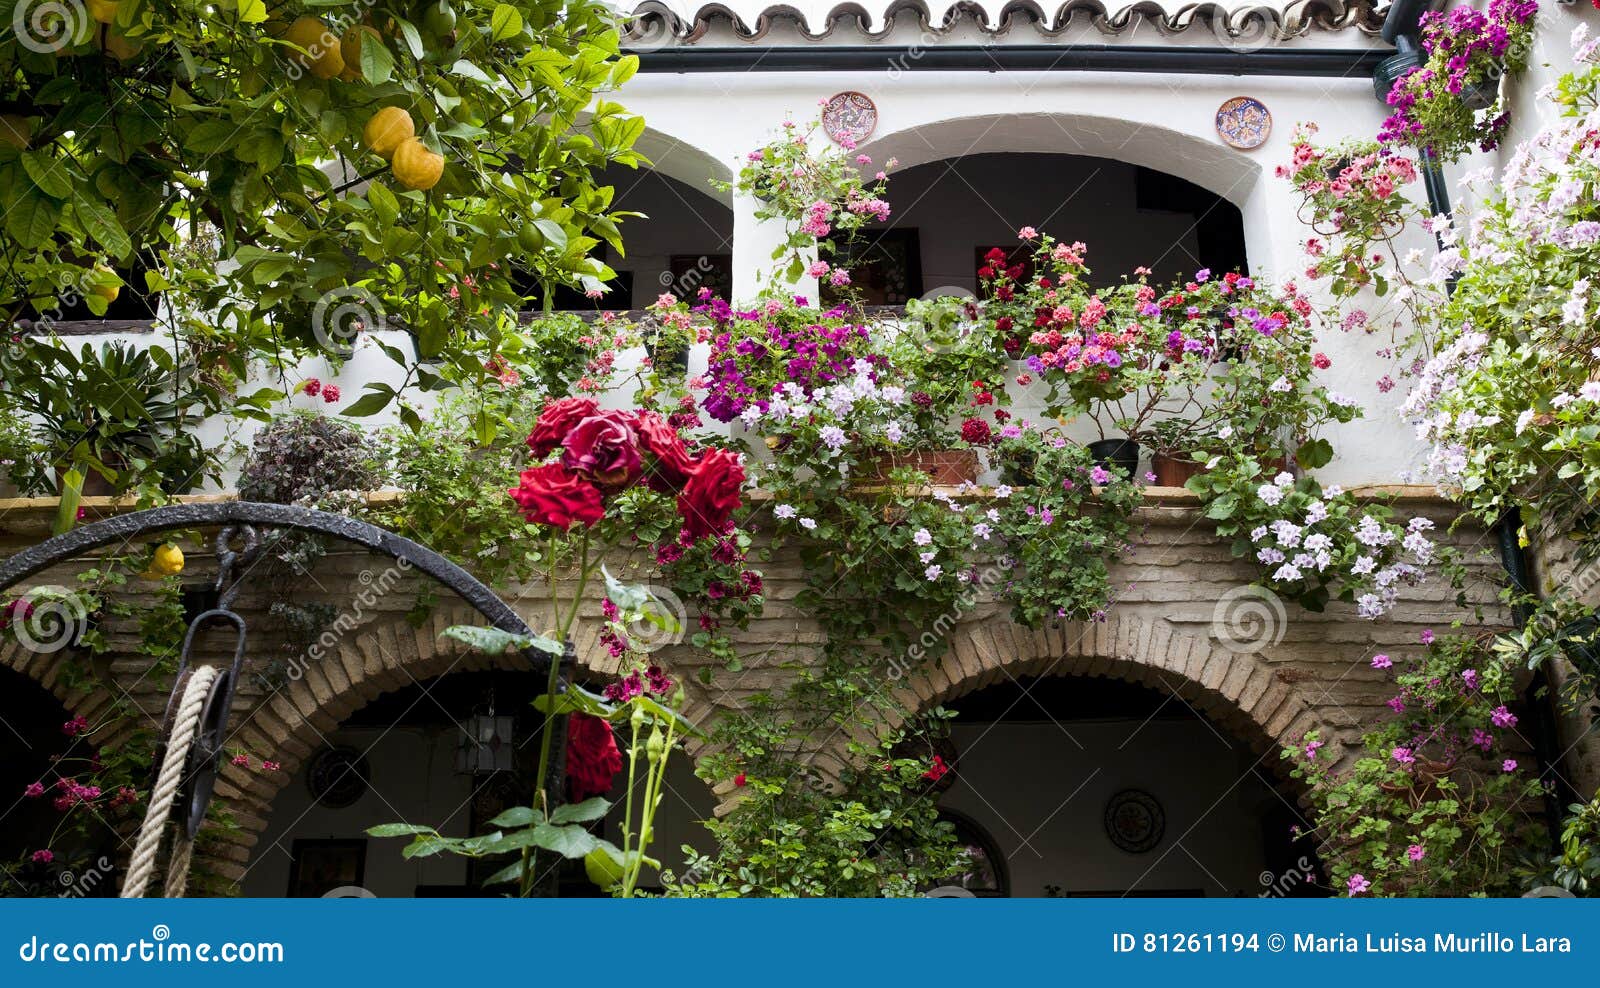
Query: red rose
593	760
712	493
558	418
604	448
550	495
673	464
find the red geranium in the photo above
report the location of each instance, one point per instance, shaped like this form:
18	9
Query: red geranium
18	610
673	462
712	493
558	419
552	495
976	432
593	760
604	448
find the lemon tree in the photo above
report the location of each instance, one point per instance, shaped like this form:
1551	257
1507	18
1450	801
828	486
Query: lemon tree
428	167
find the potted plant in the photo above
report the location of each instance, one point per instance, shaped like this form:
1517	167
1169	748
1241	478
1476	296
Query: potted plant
19	448
111	418
1450	104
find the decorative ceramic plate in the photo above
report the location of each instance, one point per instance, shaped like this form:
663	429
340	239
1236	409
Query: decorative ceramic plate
338	776
849	118
1135	821
1244	123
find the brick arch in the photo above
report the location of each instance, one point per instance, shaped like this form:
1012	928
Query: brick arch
1238	691
92	702
288	726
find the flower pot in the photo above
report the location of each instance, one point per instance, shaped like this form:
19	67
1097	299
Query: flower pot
1018	471
1121	455
944	467
668	356
94	485
1481	95
1172	470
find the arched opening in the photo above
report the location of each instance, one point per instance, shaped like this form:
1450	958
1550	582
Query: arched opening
450	752
681	240
58	840
1092	787
950	212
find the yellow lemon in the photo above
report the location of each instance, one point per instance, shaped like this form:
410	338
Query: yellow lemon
108	290
387	129
104	11
350	47
322	55
415	167
14	130
168	560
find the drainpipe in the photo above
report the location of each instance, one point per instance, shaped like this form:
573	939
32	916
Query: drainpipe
1402	28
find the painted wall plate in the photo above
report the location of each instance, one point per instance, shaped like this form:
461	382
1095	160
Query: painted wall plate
1244	122
849	118
1135	821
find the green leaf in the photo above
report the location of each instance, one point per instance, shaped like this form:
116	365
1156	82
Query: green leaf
101	223
48	174
377	65
371	403
71	495
505	22
510	873
603	865
630	598
589	809
211	136
570	841
413	39
470	71
1223	507
576	700
1315	453
517	816
494	641
398	830
33	218
555	235
252	11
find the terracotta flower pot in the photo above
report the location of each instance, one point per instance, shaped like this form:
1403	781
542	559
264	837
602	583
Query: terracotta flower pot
944	467
94	485
1174	471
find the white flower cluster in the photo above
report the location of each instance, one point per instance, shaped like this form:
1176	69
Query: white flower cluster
1367	556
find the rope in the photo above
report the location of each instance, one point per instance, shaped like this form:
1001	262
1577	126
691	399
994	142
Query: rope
185	726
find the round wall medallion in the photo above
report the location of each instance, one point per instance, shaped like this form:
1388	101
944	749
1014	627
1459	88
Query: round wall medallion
849	118
1244	123
1135	821
338	777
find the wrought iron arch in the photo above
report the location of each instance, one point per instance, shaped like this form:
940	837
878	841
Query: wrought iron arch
236	519
124	528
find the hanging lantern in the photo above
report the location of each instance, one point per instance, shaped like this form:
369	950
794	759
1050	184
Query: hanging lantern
486	745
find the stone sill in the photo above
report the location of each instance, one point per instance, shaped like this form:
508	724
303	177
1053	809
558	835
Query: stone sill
33	516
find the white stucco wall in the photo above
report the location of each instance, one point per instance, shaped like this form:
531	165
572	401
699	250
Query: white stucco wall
700	125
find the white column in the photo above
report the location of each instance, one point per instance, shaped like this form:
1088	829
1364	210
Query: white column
754	240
